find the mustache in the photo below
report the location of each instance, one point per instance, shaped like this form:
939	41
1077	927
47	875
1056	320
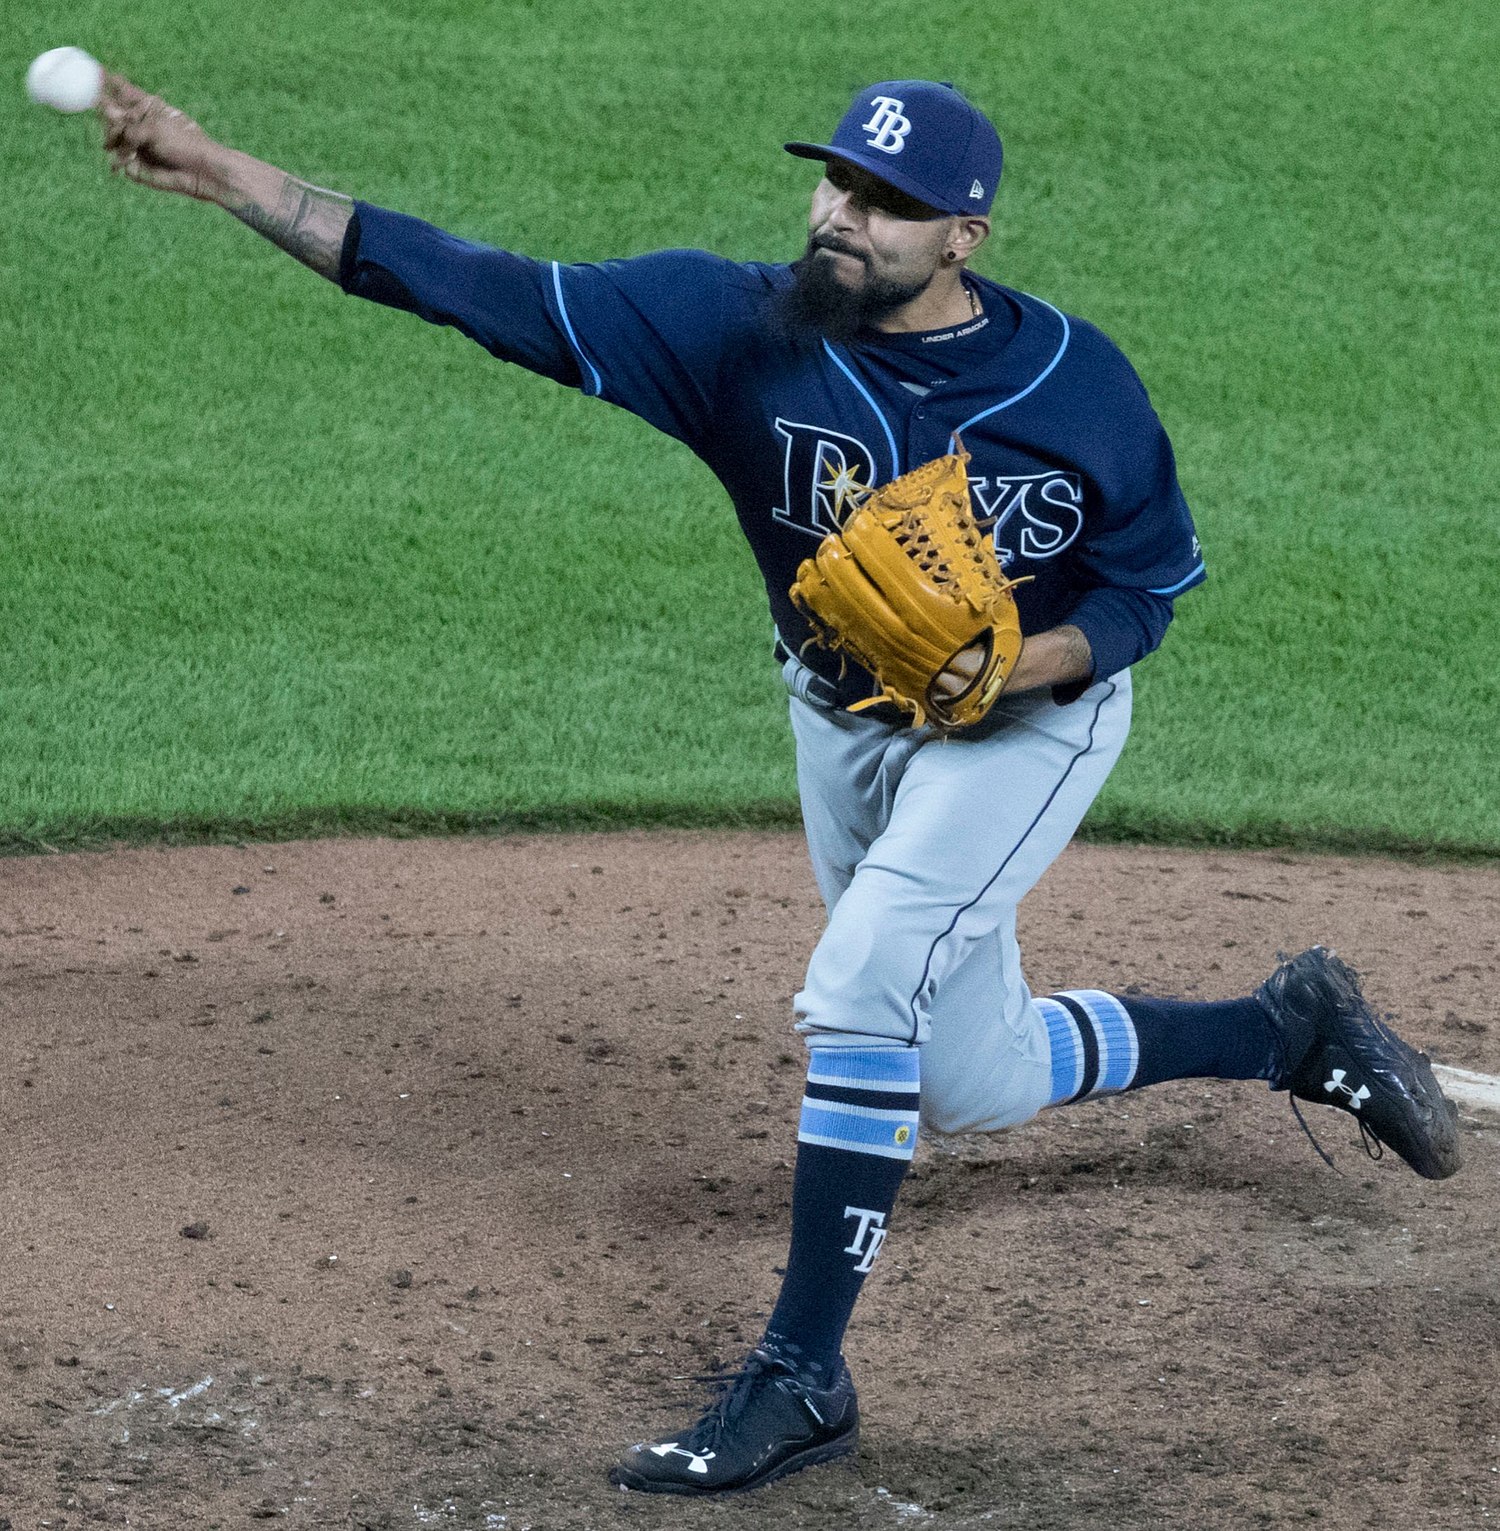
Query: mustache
831	242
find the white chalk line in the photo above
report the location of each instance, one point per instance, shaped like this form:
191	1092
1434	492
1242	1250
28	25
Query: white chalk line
173	1398
1477	1091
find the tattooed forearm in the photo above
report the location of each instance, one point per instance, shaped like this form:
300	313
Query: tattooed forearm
1053	658
306	221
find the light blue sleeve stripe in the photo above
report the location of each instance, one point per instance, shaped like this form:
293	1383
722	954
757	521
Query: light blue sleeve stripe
1181	584
1067	1056
1031	387
865	395
578	351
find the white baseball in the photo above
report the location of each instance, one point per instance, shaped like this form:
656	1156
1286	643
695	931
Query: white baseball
67	78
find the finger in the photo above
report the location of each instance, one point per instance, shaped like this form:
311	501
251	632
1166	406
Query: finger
119	91
135	126
138	170
147	174
120	119
112	113
126	149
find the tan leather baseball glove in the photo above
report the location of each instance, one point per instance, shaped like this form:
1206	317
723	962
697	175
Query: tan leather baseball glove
911	588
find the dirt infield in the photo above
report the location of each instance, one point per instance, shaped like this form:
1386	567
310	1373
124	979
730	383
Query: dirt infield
399	1184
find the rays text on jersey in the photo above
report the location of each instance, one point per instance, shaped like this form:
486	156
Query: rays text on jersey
1034	516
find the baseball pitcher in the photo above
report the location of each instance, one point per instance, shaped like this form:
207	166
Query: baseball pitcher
967	516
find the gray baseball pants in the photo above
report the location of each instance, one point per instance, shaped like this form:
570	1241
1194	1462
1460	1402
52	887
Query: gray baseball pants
922	848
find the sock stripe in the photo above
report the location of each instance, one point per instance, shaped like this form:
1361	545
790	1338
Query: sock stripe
862	1100
1119	1047
1088	1046
890	1134
1095	1049
1067	1054
883	1068
890	1100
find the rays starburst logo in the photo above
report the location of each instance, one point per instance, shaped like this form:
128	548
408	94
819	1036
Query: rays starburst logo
846	489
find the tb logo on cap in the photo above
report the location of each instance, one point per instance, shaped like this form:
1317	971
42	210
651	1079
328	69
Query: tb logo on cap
888	125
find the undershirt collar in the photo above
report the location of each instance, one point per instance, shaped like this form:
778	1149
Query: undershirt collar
929	358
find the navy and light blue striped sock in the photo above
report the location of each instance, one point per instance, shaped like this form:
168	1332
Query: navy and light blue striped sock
1104	1043
857	1136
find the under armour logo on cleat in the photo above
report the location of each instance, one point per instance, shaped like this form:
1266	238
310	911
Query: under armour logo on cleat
1336	1086
697	1461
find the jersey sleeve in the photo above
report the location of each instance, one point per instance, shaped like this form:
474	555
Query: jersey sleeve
644	333
1139	550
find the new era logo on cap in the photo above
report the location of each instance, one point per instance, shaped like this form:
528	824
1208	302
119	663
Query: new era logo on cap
922	137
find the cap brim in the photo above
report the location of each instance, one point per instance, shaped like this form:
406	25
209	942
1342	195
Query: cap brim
812	151
878	166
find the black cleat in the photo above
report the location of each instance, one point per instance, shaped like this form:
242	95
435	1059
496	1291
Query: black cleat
771	1418
1338	1052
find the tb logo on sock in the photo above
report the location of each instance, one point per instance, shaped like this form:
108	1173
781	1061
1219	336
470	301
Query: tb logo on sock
868	1237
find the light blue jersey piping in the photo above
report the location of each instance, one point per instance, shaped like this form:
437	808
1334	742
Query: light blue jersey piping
578	351
1031	387
1181	584
864	393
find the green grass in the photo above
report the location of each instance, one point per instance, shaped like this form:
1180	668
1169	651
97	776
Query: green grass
277	561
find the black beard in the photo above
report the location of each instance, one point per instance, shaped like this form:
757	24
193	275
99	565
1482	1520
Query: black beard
818	301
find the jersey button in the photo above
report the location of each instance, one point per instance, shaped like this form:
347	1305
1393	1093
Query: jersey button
921	414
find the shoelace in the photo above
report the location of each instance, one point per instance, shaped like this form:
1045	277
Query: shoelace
1322	1153
1367	1136
1279	1042
736	1389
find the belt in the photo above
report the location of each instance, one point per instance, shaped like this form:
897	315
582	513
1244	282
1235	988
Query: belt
822	692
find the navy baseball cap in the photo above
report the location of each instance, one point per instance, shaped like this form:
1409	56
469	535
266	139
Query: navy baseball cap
924	139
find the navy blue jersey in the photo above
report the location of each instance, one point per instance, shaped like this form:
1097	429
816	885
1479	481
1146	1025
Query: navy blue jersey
1069	466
